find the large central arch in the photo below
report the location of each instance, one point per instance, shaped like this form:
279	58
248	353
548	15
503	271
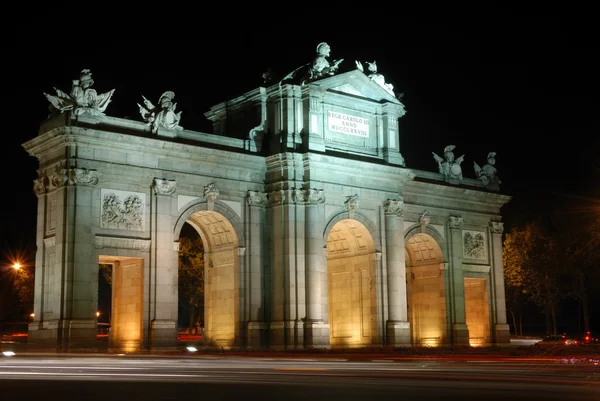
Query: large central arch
218	227
352	292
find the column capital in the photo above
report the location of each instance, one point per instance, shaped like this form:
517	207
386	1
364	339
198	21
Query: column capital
255	198
163	186
455	222
496	227
309	196
396	207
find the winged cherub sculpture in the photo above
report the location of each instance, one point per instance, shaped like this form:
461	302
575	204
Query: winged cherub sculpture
163	116
449	168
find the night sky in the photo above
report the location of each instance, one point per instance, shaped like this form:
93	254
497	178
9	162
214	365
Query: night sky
482	79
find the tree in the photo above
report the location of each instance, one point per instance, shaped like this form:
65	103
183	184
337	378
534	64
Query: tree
106	270
532	264
24	286
579	239
191	277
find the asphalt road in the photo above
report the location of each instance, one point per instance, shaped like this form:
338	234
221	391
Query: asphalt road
152	378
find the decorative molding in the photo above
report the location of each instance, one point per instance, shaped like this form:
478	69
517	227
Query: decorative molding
470	268
315	105
455	222
211	192
49	242
474	245
241	251
163	186
255	198
313	196
137	244
378	256
122	210
396	207
496	227
64	176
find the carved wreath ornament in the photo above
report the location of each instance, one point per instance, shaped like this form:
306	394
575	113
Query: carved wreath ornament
128	214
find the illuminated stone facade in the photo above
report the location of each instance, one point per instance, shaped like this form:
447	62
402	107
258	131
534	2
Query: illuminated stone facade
316	233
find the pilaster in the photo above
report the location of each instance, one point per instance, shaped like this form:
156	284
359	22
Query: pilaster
501	328
316	331
460	331
398	327
257	335
163	271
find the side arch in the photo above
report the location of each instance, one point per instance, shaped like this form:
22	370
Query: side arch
219	207
432	232
364	220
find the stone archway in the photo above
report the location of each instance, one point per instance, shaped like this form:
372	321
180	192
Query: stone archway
221	277
426	290
352	295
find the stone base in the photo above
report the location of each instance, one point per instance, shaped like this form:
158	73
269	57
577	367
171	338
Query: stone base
460	334
393	157
163	334
316	334
286	335
63	335
502	334
398	333
258	334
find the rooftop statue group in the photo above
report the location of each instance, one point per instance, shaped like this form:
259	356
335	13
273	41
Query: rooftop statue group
84	99
450	168
320	67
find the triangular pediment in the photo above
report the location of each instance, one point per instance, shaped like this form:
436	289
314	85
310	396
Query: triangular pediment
355	83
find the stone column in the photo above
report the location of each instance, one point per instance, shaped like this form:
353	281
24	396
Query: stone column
398	327
316	332
278	290
40	185
241	329
163	272
257	326
460	331
502	329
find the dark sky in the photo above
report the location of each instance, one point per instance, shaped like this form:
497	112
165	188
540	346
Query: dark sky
483	79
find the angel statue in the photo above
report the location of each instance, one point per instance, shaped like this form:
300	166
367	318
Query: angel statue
488	173
376	77
164	115
320	66
82	98
450	168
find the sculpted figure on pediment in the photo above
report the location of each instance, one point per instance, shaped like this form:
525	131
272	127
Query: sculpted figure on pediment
375	76
488	174
82	98
163	115
449	167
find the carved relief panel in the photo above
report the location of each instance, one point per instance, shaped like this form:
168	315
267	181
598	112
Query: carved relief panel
474	245
122	210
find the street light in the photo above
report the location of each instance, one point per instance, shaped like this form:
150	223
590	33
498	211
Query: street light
16	266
